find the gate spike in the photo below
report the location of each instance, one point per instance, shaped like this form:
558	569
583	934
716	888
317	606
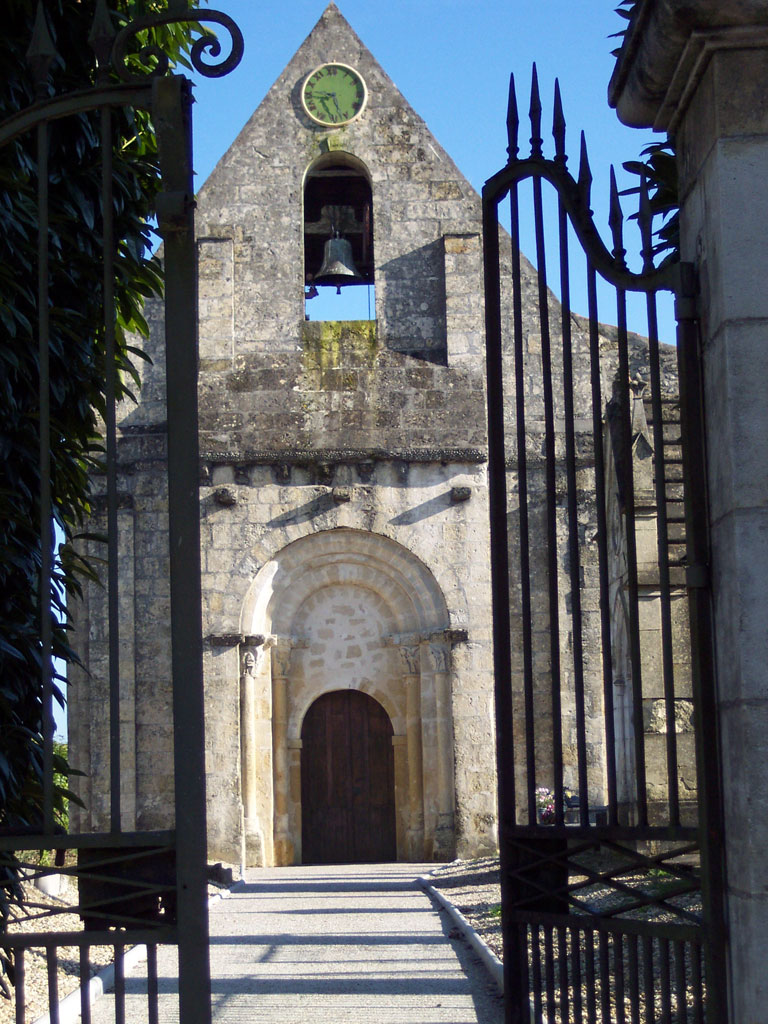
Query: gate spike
645	220
535	115
513	121
558	128
41	53
102	36
616	222
585	173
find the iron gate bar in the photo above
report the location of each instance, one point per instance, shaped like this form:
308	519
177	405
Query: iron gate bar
662	532
172	104
551	483
618	983
46	533
602	534
570	463
113	611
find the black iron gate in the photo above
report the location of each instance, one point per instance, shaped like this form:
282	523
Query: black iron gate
135	887
610	818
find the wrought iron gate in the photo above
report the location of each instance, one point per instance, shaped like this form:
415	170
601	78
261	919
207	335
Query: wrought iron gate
134	886
610	818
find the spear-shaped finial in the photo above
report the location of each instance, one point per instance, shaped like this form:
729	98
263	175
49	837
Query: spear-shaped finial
41	53
645	220
558	128
513	121
616	222
585	174
535	115
101	37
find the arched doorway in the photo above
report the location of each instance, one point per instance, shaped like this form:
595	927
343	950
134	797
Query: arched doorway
347	781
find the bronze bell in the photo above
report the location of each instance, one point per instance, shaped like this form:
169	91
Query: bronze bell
338	266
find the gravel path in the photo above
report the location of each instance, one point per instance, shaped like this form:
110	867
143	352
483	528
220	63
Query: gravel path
44	913
473	887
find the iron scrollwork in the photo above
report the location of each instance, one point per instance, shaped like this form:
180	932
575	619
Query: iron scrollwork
207	45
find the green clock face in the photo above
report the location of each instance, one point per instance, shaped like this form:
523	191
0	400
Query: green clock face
334	94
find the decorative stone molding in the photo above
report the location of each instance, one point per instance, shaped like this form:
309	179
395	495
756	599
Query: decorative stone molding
233	639
666	49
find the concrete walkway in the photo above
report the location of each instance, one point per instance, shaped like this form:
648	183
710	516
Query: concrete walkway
329	945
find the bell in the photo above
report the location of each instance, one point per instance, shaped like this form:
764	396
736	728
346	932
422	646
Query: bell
338	266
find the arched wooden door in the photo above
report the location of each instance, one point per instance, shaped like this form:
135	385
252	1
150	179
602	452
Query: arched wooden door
347	781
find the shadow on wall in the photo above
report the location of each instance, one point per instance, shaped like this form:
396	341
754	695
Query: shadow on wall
413	319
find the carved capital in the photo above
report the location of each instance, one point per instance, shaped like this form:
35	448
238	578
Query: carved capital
438	657
410	660
281	661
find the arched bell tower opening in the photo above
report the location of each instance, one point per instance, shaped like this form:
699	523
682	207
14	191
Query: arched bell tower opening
351	707
338	229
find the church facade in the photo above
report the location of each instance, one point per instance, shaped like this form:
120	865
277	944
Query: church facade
343	501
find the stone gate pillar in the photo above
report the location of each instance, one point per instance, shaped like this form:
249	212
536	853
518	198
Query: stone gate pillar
414	838
699	69
281	666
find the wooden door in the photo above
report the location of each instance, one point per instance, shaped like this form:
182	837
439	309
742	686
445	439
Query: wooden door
347	781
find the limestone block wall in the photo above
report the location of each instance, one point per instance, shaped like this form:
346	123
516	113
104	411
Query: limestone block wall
143	669
349	630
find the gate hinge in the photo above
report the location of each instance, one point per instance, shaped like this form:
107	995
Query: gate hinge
697	576
686	308
172	209
686	294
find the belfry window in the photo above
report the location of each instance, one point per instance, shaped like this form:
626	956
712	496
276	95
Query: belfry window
338	231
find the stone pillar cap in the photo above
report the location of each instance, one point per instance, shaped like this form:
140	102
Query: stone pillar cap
656	39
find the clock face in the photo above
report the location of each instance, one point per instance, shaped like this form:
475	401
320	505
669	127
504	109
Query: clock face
334	94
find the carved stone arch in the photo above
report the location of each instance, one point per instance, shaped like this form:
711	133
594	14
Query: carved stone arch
350	548
338	606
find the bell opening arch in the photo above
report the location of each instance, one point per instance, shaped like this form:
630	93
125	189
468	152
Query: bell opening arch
338	224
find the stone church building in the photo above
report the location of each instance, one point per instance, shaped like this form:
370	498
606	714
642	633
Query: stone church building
343	500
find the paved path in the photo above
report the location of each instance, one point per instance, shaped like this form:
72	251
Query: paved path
332	945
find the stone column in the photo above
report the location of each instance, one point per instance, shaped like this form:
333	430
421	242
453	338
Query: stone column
414	840
294	793
281	665
445	836
253	838
700	69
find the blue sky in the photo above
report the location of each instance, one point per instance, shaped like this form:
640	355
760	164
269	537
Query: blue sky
452	60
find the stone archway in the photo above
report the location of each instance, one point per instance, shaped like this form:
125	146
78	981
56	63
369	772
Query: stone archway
347	781
351	610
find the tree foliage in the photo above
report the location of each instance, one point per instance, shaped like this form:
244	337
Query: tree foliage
77	349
